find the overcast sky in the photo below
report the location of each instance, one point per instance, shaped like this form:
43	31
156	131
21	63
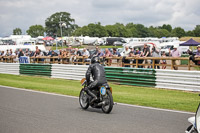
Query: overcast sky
24	13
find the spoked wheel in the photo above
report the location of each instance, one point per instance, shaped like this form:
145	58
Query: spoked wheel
83	100
107	107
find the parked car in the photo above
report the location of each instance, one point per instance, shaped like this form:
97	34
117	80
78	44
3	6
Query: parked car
110	41
117	43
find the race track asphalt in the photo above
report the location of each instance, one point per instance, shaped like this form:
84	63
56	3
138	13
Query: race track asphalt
32	112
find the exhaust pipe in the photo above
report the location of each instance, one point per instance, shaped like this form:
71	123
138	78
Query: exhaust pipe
101	103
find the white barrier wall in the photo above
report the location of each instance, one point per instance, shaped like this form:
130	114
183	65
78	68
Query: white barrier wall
9	68
75	72
179	80
167	79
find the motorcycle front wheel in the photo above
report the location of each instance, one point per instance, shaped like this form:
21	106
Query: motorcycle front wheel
83	100
107	107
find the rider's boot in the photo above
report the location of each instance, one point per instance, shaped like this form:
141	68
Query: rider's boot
93	95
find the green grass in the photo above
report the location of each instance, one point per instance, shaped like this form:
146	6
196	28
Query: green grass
85	46
145	96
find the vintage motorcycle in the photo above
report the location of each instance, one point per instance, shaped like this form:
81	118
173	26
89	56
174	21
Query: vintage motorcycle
104	95
195	122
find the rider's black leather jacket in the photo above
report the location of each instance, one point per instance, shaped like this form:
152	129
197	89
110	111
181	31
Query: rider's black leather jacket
98	74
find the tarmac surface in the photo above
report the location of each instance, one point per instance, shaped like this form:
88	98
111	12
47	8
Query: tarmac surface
24	111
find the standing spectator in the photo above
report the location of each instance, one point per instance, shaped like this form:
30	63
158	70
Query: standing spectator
31	54
132	54
64	55
138	53
108	54
198	54
27	53
60	54
16	53
21	53
86	55
36	49
155	52
96	51
53	54
50	52
100	53
116	53
126	54
175	53
12	53
40	54
77	53
86	52
69	49
7	53
163	61
2	53
146	53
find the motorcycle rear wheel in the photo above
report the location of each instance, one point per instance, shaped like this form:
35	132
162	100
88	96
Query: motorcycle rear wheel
83	100
107	108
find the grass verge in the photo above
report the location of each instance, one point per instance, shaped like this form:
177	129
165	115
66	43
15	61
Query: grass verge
144	96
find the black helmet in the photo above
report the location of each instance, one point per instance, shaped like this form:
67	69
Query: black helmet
95	59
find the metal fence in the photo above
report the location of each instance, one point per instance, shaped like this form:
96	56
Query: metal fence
109	61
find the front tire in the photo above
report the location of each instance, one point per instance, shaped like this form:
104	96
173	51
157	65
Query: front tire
107	108
83	100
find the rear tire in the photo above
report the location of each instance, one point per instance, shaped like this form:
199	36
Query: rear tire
83	100
109	99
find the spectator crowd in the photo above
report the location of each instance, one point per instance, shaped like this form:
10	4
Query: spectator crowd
73	53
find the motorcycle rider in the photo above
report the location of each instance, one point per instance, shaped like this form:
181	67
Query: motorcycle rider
98	75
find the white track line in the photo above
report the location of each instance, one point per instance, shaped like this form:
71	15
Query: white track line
137	106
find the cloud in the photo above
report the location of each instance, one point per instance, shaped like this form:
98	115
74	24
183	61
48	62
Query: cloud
24	13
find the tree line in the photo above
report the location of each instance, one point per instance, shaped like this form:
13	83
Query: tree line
62	23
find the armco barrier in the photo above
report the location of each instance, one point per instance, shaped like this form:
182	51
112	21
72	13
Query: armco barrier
75	72
36	69
9	68
179	80
131	76
169	79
